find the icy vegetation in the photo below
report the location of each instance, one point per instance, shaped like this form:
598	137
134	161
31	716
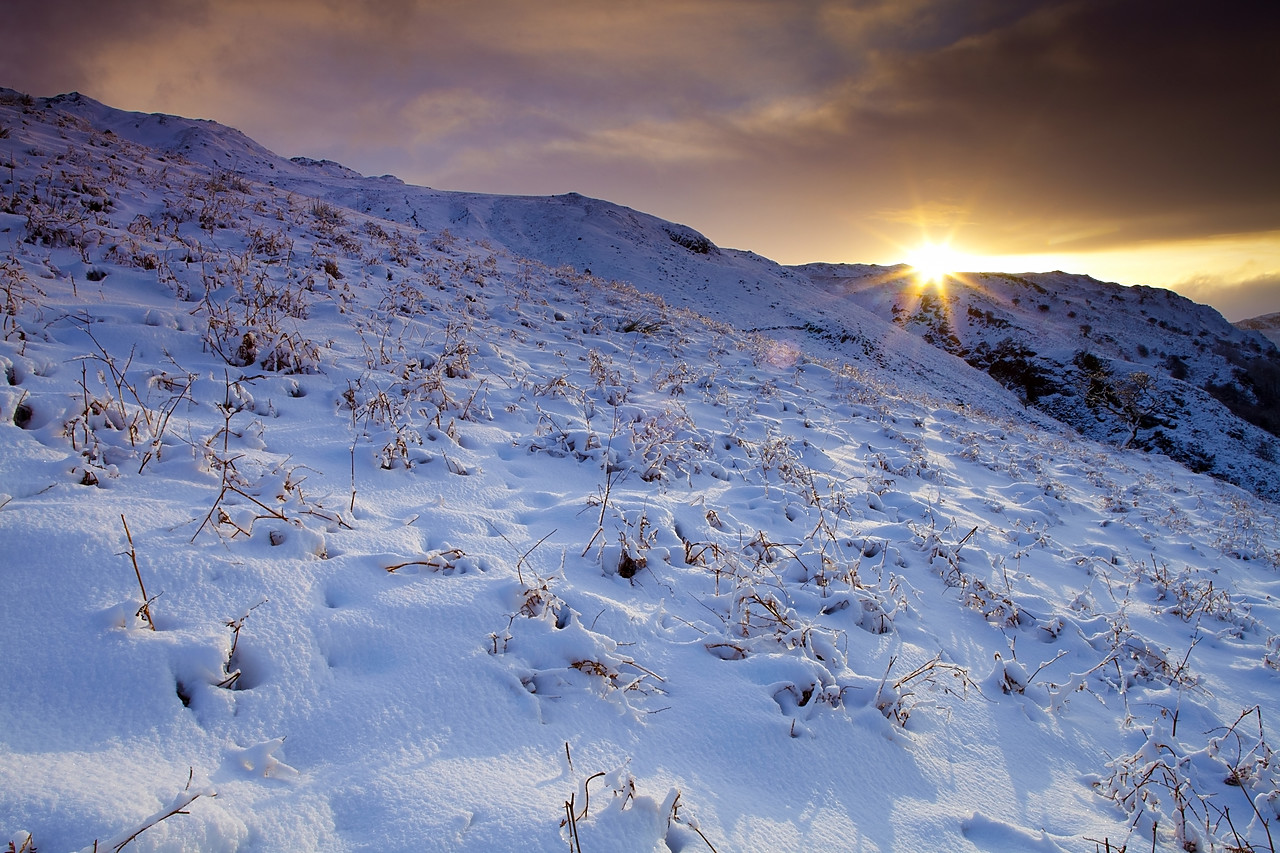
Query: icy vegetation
343	515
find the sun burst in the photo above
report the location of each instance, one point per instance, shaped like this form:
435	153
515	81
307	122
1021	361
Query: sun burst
933	262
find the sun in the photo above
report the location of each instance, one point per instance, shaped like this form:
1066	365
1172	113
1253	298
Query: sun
933	262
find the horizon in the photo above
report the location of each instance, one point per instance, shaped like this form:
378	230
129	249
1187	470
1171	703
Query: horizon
1127	141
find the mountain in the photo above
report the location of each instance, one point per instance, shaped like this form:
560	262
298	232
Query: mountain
340	514
1268	325
1137	366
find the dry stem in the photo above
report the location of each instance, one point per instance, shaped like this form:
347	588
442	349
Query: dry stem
133	557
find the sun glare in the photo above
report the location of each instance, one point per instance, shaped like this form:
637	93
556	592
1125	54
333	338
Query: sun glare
933	262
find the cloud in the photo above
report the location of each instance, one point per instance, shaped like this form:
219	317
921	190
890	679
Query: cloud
52	44
810	129
1235	300
1158	116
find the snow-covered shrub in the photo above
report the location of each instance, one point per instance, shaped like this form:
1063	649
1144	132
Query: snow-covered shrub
1186	792
16	294
1271	657
248	317
1192	594
660	443
620	817
899	698
1246	535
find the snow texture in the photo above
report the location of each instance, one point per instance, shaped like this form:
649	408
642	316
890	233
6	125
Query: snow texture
489	523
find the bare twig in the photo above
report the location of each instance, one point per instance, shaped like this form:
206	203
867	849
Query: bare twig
440	562
133	557
179	808
525	555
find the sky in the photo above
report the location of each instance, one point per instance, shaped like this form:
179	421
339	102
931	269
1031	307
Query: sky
1134	140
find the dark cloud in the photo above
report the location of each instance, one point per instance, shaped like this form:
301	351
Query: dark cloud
1158	119
52	45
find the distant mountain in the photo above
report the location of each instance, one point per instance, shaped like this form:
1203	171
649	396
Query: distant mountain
1138	366
1268	325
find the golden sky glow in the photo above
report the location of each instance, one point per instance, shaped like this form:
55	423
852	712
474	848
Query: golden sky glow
1133	140
1225	271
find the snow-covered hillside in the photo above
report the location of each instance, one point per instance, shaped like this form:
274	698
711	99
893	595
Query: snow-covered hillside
1268	325
608	241
450	544
1136	366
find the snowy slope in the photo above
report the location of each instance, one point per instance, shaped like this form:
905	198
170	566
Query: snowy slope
451	545
1268	325
1138	366
615	243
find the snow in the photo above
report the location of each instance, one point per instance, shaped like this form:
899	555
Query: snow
452	545
1205	389
1267	325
